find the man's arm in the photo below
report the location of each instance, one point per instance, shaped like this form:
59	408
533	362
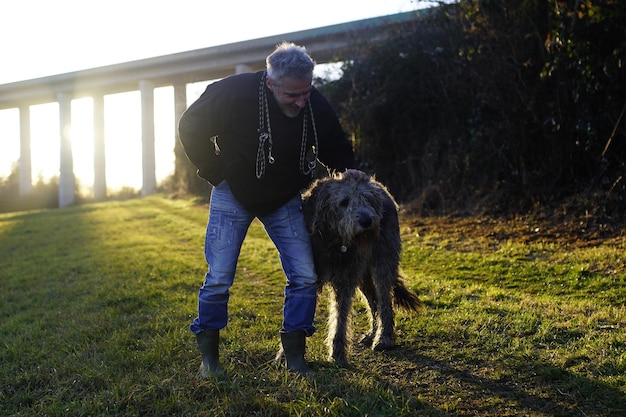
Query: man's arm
198	131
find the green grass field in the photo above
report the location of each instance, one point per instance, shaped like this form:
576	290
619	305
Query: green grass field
95	303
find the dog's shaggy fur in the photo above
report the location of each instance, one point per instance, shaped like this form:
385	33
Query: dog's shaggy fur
353	222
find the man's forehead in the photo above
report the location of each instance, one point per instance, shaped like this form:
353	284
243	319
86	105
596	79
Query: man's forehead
290	85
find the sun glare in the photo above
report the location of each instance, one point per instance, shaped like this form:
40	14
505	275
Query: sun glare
123	149
122	140
44	140
82	143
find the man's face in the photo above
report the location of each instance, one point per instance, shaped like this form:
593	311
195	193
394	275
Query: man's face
291	94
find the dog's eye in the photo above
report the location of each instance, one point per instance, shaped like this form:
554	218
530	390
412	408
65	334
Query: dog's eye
344	202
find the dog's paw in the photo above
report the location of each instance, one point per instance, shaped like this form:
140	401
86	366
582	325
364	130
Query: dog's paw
340	359
342	362
367	340
383	343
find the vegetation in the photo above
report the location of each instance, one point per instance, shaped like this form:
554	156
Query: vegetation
495	105
45	194
524	317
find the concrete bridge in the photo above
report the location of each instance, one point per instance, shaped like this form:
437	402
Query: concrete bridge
325	44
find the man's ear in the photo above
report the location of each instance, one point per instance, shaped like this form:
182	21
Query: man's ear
269	84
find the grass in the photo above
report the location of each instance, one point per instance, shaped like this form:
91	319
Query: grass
95	303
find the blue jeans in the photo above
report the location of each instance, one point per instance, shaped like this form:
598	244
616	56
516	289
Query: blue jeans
227	227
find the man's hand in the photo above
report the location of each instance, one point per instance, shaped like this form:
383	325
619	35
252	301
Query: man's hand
355	173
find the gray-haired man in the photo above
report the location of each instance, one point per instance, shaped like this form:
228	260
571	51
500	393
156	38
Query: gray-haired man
256	138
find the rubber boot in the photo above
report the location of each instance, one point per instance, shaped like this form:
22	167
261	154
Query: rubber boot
208	343
294	344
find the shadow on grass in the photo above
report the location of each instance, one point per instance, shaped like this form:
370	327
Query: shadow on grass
528	387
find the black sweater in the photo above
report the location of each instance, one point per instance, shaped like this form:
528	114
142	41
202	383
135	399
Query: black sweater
229	109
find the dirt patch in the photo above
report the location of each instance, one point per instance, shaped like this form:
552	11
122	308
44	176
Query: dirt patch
573	231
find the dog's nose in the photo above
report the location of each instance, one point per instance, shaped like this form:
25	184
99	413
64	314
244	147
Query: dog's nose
365	220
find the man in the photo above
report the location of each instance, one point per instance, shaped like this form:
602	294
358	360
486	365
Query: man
256	138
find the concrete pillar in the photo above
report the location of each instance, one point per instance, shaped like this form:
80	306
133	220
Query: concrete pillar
99	158
66	173
180	102
180	105
25	173
146	89
181	164
242	68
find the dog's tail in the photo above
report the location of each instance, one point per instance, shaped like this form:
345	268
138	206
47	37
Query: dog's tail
406	299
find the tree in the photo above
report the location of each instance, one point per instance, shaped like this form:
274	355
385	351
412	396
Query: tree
513	103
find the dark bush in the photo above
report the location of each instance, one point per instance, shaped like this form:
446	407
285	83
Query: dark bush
500	105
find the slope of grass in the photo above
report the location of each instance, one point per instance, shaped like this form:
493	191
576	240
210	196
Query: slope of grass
95	303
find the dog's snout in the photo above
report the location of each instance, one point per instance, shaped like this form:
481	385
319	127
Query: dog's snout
364	219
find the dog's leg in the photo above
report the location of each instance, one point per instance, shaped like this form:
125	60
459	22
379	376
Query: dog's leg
369	291
385	335
339	324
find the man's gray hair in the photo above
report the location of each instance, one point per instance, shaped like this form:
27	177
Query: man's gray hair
289	60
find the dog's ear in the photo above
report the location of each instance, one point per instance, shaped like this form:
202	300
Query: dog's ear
388	206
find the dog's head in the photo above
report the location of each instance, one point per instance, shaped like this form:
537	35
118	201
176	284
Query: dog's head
346	208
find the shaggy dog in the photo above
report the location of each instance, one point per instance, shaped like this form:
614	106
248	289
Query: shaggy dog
353	222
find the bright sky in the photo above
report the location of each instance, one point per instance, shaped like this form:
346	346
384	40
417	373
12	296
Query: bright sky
44	37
